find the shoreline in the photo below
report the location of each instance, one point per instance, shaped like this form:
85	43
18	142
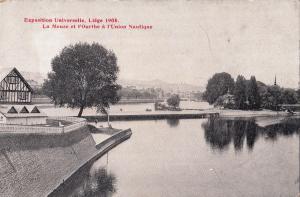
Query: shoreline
249	114
151	116
138	101
210	113
102	147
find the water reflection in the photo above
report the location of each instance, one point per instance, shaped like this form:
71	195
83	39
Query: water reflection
219	133
100	184
87	183
173	122
183	161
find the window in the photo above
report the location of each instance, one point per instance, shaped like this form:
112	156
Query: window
22	95
13	79
3	95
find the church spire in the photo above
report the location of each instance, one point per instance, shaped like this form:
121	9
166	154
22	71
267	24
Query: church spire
275	82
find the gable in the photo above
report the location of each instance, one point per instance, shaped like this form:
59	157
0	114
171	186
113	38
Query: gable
14	81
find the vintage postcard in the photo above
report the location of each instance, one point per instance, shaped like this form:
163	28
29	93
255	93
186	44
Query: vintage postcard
171	98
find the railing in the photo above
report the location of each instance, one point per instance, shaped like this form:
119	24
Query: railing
67	118
76	124
29	129
112	140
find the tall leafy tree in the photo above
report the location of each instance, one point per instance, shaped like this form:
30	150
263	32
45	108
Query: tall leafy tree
240	92
83	75
217	86
253	94
289	96
274	97
298	95
263	94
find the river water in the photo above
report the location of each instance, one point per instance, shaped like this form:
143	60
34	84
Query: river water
201	157
122	109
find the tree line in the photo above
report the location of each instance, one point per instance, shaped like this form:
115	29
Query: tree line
220	133
134	93
223	90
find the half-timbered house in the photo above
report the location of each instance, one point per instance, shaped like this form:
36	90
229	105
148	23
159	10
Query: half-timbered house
13	87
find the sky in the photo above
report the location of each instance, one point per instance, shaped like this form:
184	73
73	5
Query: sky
189	41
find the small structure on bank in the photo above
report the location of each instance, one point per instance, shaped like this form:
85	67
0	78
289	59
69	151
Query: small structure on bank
22	115
226	101
158	106
14	89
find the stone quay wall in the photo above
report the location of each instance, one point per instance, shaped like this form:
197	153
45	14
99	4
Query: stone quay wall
32	165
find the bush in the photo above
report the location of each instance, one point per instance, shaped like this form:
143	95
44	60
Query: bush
226	101
174	101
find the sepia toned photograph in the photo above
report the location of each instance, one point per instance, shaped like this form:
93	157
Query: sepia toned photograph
171	98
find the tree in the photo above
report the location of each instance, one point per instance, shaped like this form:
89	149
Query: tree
263	94
253	94
240	92
83	75
174	100
298	95
226	101
289	96
217	86
105	111
274	97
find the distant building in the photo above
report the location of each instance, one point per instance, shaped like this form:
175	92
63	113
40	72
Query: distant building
22	115
14	88
226	101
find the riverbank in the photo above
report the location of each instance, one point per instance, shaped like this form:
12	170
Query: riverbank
35	163
137	101
250	113
102	148
152	116
141	110
196	114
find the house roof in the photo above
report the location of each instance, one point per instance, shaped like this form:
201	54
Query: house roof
4	109
5	71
